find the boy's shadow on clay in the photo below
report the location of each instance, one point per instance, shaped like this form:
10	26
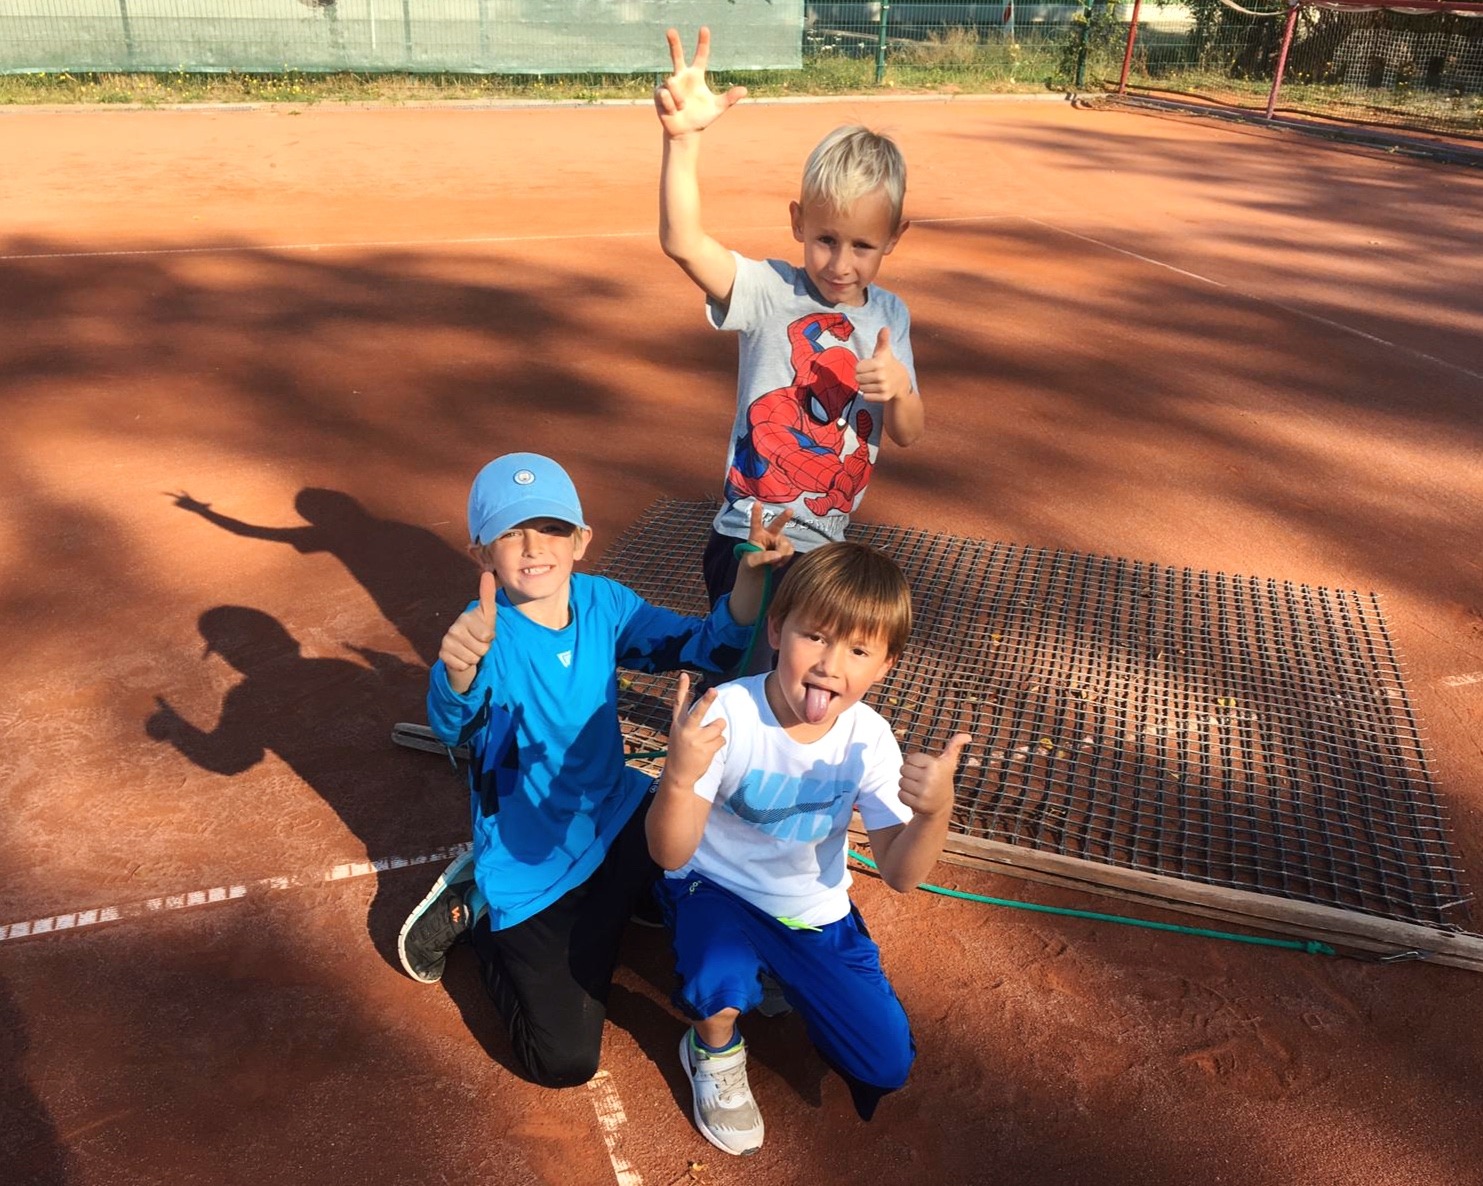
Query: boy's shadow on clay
418	581
328	720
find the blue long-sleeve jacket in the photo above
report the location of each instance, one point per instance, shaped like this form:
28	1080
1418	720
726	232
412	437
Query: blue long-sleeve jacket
549	788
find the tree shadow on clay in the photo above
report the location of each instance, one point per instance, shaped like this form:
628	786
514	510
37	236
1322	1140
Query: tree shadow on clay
321	716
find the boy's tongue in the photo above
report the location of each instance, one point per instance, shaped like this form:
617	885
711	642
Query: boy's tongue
815	703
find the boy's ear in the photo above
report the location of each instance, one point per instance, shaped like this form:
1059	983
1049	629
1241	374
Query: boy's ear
885	667
480	553
774	632
896	238
795	216
580	542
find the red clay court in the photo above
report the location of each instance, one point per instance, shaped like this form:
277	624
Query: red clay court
1189	342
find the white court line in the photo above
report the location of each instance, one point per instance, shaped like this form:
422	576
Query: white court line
611	1118
1262	300
605	1101
1145	259
1462	681
217	893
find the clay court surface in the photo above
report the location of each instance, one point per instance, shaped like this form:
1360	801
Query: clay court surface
1191	343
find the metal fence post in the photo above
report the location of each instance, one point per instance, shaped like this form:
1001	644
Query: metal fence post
407	29
1081	50
123	16
1122	80
880	44
1292	20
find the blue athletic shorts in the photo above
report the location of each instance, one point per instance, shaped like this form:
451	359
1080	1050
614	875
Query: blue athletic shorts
831	976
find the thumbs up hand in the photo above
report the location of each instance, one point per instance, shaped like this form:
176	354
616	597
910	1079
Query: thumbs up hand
882	377
927	779
469	638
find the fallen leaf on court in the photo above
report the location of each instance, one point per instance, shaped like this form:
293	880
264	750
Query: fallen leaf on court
696	1174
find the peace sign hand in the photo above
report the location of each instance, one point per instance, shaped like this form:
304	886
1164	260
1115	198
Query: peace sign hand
776	548
684	101
692	745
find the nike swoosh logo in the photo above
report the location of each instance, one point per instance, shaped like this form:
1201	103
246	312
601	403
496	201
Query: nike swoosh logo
771	815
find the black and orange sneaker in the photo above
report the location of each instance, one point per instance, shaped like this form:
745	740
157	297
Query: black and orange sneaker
440	920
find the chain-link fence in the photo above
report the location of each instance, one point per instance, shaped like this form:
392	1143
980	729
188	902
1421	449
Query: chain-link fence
1384	66
996	46
1400	69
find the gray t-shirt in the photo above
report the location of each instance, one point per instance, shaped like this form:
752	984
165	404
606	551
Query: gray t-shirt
803	436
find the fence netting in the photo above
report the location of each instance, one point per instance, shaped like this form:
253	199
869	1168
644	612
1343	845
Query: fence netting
1389	66
1383	66
472	36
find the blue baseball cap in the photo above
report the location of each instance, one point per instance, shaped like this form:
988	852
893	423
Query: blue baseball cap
516	487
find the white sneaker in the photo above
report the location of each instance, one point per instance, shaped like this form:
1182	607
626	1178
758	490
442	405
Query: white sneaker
725	1111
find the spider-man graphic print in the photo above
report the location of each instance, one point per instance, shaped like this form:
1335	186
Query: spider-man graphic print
803	437
797	444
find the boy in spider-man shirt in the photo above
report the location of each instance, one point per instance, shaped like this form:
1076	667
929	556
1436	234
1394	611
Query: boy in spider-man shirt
825	355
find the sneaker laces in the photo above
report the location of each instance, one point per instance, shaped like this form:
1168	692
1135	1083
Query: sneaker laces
729	1083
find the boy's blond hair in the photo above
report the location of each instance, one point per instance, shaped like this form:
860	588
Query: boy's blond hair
849	588
851	162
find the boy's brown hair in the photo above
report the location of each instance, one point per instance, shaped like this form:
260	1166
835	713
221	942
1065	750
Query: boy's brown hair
849	588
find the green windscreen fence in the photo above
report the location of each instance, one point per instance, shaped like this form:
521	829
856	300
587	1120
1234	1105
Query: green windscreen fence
466	36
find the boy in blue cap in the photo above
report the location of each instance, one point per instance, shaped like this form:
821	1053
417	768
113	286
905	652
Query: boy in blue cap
526	679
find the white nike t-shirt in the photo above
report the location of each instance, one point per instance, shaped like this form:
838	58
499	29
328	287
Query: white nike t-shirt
777	831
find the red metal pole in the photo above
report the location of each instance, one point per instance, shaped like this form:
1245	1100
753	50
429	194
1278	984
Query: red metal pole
1292	20
1122	82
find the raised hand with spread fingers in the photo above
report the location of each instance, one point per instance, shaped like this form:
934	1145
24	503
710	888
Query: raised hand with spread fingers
685	102
686	106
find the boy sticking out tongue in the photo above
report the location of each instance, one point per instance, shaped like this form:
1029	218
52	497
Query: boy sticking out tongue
750	820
